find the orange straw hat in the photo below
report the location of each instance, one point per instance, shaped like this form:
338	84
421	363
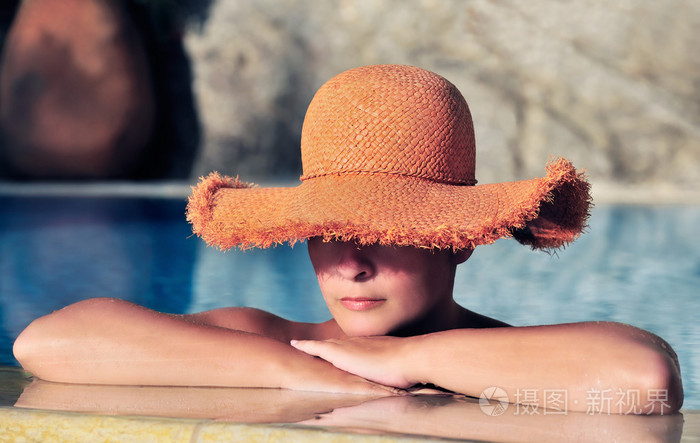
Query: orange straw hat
388	157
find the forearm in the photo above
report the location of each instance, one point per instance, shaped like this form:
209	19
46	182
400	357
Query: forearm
589	365
101	342
88	344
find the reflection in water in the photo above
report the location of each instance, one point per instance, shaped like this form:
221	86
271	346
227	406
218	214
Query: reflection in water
244	405
434	415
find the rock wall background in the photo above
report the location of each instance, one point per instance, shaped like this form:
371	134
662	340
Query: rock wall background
614	86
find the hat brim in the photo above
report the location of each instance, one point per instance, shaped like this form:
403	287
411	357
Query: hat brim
545	213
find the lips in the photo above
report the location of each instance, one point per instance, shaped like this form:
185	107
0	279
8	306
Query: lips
361	303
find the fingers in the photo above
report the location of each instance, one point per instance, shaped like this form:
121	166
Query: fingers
327	350
311	347
299	344
335	353
303	345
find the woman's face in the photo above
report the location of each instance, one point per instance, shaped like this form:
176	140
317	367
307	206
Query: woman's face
381	290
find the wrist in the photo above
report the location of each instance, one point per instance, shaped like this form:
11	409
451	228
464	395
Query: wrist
414	357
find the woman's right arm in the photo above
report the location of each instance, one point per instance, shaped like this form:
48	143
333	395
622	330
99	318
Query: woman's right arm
110	341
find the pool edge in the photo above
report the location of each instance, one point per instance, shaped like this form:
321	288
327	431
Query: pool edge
21	424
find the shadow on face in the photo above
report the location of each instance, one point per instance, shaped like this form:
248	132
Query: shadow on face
378	290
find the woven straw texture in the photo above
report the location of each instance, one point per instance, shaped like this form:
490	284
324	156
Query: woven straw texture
388	154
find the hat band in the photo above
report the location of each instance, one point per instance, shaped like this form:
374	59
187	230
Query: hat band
471	182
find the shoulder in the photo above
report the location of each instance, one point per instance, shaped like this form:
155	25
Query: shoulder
255	321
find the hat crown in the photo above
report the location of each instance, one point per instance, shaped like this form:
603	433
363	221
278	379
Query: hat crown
389	119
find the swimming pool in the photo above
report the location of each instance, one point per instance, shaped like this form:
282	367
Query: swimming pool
636	264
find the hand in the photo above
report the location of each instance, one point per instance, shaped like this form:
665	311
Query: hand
338	382
378	359
303	372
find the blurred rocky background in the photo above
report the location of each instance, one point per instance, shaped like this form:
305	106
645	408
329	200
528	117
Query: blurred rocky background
223	85
97	89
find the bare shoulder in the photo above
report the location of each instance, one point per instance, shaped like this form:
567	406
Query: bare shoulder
255	321
110	316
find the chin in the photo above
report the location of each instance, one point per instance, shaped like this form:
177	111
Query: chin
376	324
366	330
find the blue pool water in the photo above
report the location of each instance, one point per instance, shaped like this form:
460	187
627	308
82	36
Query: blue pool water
637	264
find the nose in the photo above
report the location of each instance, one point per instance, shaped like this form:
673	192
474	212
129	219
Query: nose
354	264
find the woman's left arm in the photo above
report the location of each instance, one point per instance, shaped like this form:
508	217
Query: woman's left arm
595	367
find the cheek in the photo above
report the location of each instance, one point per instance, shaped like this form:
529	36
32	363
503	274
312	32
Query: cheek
325	292
422	291
415	303
410	295
329	286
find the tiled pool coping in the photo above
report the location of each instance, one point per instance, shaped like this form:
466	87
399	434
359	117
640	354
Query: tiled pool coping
44	426
424	418
28	425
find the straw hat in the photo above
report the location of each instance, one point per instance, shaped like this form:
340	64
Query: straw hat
388	157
